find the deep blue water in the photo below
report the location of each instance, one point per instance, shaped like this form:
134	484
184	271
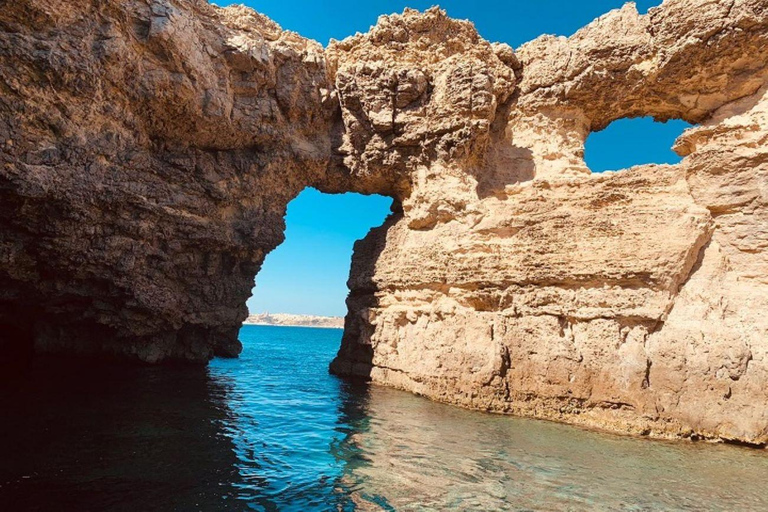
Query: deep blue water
273	431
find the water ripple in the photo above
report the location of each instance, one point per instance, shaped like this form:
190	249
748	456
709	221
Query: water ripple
273	431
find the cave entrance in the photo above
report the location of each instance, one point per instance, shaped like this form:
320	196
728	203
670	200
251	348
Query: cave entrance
307	274
636	141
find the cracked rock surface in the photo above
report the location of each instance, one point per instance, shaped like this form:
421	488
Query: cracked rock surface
148	150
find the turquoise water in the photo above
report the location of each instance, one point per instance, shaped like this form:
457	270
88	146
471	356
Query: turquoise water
273	431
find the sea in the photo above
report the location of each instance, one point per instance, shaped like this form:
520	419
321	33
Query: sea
274	431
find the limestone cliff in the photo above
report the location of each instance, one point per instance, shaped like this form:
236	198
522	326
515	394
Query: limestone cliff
149	149
514	280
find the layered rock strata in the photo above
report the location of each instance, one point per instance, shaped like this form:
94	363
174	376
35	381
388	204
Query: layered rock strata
149	150
514	280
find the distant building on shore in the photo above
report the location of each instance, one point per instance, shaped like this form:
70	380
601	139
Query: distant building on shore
283	319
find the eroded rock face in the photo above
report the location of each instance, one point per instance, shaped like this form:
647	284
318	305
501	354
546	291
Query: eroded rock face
149	150
516	281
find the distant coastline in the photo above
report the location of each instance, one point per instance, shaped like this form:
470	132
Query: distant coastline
286	320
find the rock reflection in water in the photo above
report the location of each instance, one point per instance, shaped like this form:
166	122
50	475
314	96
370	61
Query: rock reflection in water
273	431
412	454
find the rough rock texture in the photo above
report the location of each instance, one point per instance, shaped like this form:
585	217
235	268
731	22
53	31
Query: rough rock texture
513	280
147	154
149	149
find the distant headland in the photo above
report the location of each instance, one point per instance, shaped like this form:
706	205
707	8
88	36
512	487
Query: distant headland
286	320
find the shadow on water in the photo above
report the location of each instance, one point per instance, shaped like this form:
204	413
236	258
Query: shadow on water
273	431
79	435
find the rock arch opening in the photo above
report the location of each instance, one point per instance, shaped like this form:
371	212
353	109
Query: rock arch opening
633	141
307	274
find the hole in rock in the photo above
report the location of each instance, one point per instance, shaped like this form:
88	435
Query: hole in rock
307	274
628	142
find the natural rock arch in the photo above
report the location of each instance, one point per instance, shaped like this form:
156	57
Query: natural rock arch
150	151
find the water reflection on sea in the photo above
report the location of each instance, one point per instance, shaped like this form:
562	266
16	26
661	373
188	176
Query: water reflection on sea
274	431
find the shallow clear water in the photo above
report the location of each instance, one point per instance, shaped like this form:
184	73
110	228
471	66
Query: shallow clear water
274	431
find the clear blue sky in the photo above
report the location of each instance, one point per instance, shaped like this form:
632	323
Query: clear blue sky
308	273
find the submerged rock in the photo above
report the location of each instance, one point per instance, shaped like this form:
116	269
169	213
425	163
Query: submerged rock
151	149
